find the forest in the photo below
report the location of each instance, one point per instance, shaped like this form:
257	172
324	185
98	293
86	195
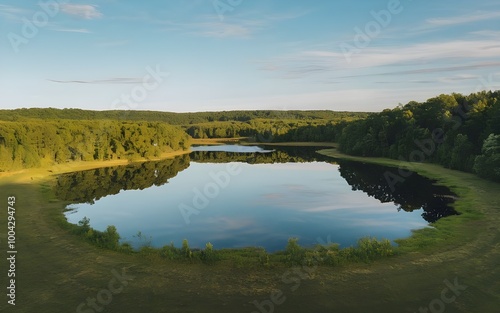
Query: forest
176	118
459	132
33	143
271	130
35	137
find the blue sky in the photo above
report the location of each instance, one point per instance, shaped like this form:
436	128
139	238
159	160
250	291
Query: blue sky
343	55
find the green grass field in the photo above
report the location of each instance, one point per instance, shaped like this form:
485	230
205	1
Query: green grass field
58	272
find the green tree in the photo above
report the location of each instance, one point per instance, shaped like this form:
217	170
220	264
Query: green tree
462	154
487	164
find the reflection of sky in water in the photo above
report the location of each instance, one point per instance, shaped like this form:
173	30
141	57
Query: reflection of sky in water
264	205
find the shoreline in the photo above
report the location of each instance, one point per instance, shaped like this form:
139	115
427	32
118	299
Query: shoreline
40	173
216	141
467	249
295	144
243	141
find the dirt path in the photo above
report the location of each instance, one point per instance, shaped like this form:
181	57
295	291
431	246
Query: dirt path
57	271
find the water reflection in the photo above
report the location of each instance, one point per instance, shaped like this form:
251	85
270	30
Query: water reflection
92	185
415	193
281	193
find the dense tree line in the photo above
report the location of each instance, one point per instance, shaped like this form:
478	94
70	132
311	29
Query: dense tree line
457	131
269	130
228	129
328	132
175	118
33	143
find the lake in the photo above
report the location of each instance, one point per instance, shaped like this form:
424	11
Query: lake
239	196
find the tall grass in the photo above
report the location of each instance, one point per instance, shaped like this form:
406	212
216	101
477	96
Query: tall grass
367	249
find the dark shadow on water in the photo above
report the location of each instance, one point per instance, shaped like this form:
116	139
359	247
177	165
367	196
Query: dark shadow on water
414	193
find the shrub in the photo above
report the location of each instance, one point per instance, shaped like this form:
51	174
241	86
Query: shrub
171	252
111	238
186	251
294	252
370	249
209	255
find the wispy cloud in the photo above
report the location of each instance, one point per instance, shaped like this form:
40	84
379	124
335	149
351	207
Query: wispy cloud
72	30
239	26
218	29
486	33
85	11
434	70
460	77
212	27
462	19
11	12
116	43
469	54
116	80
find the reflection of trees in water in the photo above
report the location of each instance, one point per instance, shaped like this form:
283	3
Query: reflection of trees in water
414	193
91	185
279	155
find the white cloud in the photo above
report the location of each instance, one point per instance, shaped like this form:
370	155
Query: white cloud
424	57
486	33
237	26
11	12
116	43
462	19
427	52
221	30
114	80
212	27
72	30
85	11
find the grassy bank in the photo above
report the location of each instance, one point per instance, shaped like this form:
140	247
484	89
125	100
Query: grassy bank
57	270
446	231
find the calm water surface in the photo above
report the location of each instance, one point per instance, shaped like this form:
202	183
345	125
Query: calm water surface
235	196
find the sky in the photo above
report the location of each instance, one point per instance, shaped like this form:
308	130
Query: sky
212	55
